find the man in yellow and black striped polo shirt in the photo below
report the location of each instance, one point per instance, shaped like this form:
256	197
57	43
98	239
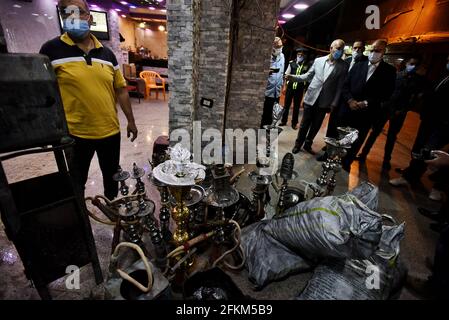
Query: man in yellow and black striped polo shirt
90	83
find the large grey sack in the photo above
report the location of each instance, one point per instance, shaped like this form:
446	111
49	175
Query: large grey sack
376	278
329	227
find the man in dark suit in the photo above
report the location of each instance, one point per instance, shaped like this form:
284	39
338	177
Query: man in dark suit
366	87
357	56
327	76
358	47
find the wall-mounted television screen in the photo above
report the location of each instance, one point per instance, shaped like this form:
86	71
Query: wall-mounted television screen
99	27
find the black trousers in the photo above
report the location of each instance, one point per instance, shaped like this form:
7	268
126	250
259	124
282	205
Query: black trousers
295	96
431	135
311	122
108	153
396	123
267	115
360	120
333	123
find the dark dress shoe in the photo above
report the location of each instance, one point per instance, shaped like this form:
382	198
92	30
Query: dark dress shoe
295	126
386	165
296	150
361	158
434	215
309	150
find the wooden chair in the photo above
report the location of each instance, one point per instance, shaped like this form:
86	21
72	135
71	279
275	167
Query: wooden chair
151	79
135	86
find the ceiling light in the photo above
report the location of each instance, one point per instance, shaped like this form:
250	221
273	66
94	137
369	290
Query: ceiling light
288	15
301	6
133	7
163	10
282	21
152	8
142	25
17	6
123	16
118	10
124	2
161	28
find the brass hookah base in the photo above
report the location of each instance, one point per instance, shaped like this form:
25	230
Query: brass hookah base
180	214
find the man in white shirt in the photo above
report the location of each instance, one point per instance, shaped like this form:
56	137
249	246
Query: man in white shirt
327	76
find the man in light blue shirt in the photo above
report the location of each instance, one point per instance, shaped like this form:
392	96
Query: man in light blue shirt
275	82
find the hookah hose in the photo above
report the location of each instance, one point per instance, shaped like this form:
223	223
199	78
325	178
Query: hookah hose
124	275
192	242
237	239
96	202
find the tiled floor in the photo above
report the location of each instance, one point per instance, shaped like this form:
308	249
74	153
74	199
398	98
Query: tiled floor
152	121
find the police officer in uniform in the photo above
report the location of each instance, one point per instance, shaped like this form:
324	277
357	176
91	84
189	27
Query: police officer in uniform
295	89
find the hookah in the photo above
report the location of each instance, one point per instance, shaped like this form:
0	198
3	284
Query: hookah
221	195
180	175
130	213
164	212
262	180
287	173
337	150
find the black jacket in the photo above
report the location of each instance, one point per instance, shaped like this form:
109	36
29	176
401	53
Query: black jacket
376	90
359	59
437	103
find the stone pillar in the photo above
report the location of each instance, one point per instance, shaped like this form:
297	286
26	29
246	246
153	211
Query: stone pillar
206	61
183	57
251	63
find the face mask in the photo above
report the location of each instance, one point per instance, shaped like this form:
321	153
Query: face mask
299	59
410	68
76	28
277	52
337	54
356	55
374	57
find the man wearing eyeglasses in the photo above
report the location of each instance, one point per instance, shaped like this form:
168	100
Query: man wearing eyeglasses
90	83
368	85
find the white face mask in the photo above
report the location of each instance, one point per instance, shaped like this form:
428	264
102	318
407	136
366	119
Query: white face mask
375	57
277	52
356	54
300	59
